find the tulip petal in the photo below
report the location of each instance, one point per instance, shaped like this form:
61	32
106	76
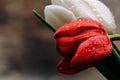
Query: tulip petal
56	16
67	47
76	27
93	9
78	7
81	30
64	67
93	49
103	14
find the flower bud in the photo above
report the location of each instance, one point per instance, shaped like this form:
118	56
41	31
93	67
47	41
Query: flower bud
83	44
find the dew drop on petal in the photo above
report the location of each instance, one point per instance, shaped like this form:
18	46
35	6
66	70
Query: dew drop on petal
80	4
98	16
72	7
94	10
89	50
94	43
67	28
100	19
93	48
78	25
80	20
74	24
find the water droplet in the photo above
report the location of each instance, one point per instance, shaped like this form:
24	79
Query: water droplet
100	19
89	50
72	7
67	28
80	4
94	10
93	48
78	25
80	20
94	43
74	24
98	16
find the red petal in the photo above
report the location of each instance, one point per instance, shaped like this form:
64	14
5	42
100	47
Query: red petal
93	49
64	67
76	27
67	46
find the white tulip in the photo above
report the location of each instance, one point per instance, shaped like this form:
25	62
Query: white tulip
57	16
64	11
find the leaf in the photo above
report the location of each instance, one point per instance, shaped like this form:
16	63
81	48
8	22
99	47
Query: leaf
43	20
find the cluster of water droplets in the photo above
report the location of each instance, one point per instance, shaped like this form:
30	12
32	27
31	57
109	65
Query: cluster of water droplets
99	17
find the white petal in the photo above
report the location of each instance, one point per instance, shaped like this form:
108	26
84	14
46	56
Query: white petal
57	16
103	14
93	9
78	7
58	2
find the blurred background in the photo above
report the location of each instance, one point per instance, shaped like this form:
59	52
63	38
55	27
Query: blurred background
27	46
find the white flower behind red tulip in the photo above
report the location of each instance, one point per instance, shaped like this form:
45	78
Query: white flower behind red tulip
64	11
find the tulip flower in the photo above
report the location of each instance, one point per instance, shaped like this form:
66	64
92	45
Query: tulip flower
82	43
64	11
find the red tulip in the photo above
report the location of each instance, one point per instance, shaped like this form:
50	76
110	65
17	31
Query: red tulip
83	44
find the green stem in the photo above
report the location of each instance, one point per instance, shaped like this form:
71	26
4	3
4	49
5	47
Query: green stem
43	20
116	48
114	37
116	53
112	66
106	72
